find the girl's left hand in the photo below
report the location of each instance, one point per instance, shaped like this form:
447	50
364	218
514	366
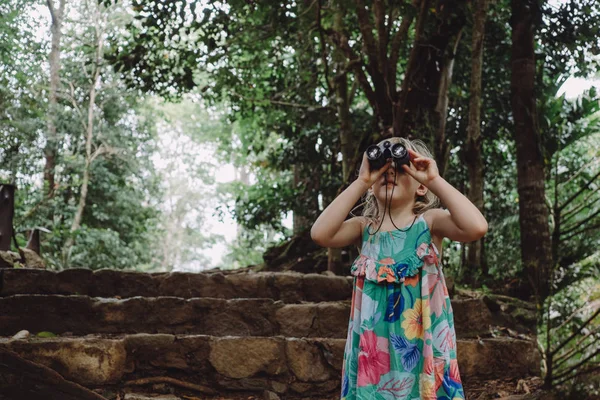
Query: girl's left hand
423	169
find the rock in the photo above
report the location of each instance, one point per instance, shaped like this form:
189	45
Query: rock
279	387
268	395
88	362
333	351
156	351
498	358
240	317
32	259
296	320
290	287
9	259
306	361
472	318
245	357
319	287
333	318
23	379
20	335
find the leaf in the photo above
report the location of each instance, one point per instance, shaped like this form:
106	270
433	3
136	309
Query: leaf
442	337
46	334
410	353
395	305
395	385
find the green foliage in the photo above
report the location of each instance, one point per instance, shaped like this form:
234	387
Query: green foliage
46	334
569	310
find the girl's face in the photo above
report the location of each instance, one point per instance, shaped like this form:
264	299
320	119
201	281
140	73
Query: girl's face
398	186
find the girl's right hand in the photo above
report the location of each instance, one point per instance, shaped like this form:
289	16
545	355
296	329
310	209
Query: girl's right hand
370	177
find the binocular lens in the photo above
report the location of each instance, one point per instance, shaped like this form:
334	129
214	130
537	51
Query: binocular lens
378	155
373	152
398	150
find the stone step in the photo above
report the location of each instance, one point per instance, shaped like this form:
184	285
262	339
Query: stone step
80	315
289	287
220	365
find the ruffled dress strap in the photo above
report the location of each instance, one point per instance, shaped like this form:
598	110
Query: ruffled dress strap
392	256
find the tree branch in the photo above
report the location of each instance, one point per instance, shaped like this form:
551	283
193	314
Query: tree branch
366	29
560	346
595	161
172	381
52	11
580	223
569	214
574	367
355	64
558	361
382	34
580	373
283	103
323	48
589	228
574	313
76	106
583	188
399	115
397	40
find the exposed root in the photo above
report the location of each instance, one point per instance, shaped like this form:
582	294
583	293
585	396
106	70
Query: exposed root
172	381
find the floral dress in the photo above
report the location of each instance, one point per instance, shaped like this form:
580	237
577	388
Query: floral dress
401	341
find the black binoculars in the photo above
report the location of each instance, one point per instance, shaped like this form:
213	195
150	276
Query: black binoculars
378	154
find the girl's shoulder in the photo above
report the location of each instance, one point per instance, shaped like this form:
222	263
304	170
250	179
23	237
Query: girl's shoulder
434	214
362	222
430	216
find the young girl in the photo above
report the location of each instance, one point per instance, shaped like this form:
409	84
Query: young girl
401	341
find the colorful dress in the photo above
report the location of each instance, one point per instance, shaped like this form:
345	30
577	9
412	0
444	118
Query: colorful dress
401	341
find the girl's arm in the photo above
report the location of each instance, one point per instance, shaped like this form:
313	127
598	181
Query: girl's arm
464	222
331	229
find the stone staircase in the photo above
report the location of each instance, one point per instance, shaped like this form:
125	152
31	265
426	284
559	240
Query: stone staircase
214	335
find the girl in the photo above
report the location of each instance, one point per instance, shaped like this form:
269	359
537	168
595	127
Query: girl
401	341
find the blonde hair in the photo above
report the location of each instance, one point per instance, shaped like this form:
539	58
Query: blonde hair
422	203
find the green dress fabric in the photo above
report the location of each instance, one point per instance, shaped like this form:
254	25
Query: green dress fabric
401	341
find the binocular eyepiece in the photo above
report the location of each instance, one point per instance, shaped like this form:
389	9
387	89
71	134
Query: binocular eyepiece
378	155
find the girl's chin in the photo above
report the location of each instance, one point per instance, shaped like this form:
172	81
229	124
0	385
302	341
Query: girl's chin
381	195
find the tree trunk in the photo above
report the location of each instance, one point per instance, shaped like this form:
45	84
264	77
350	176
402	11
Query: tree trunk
441	149
7	212
415	111
89	138
335	263
474	138
535	235
302	221
51	147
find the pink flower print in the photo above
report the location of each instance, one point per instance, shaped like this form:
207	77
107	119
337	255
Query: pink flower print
427	254
437	297
438	366
360	265
373	358
454	373
371	273
431	259
421	250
